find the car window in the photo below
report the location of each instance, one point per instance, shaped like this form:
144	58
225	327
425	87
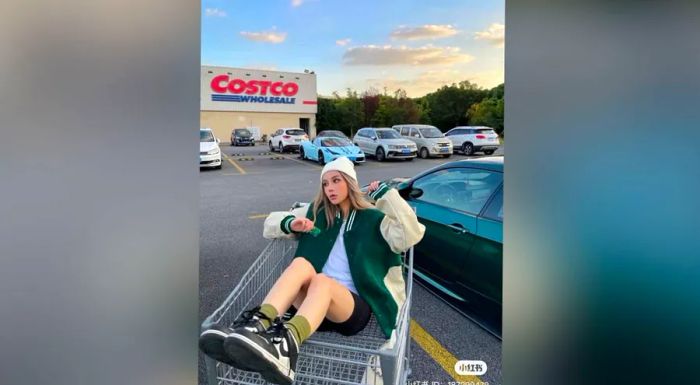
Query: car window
243	132
206	136
404	131
495	209
414	133
295	132
430	132
484	131
361	133
388	134
464	189
335	142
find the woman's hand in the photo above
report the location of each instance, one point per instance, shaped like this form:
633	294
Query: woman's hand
373	186
302	225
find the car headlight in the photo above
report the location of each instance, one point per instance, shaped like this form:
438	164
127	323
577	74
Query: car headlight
213	152
393	147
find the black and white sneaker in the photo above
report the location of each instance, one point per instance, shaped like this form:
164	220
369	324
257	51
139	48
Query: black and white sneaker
273	354
211	341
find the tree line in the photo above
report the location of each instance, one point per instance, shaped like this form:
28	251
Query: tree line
461	104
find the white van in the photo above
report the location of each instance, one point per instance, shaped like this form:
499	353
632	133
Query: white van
429	139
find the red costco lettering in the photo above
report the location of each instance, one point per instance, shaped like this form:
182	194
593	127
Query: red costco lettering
222	84
290	89
216	83
236	86
252	88
276	88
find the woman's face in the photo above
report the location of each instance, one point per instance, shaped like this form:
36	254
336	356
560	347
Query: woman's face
335	187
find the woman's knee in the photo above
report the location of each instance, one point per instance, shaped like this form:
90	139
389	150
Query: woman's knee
320	280
301	265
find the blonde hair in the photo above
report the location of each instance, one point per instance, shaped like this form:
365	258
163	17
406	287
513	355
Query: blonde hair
358	201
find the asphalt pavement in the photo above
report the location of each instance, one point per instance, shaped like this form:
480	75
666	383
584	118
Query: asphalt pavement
253	182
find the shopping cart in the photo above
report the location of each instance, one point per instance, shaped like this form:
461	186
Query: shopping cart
327	358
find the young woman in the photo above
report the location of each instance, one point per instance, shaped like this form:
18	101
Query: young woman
338	278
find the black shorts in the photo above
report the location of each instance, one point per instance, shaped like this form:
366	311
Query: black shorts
361	313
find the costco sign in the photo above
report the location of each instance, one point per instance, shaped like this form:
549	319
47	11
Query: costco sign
252	91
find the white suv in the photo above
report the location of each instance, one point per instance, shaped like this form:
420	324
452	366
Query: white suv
471	139
287	139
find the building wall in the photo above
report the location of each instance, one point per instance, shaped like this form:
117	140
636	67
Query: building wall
222	122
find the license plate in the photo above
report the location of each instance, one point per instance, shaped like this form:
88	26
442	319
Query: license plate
406	151
297	140
444	149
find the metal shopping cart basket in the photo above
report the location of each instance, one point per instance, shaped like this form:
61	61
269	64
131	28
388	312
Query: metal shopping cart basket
327	358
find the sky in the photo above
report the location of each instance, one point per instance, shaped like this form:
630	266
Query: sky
417	46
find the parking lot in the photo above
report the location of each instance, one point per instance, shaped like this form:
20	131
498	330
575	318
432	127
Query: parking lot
234	202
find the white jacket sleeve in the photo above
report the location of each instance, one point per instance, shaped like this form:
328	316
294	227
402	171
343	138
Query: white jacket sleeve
277	224
400	227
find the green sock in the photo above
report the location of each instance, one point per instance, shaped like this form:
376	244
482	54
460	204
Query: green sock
300	328
270	312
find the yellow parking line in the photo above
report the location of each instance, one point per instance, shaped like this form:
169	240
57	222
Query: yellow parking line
233	162
302	162
438	353
258	216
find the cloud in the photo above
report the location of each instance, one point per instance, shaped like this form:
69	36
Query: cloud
342	42
494	34
296	3
430	81
402	55
428	31
214	12
273	36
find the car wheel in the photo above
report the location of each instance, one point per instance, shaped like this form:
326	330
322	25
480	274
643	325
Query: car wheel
424	153
488	152
280	148
320	159
301	153
467	148
272	149
381	156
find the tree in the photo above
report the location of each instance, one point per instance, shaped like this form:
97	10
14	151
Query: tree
449	104
488	112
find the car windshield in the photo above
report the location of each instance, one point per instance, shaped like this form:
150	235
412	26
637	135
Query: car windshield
388	134
295	132
430	132
206	136
484	131
242	132
335	142
333	133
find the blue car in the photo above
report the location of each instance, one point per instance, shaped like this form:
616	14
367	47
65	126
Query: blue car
327	149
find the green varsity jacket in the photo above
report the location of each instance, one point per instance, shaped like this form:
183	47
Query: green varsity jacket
374	239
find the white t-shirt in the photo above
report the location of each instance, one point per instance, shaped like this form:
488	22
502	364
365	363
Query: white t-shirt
337	266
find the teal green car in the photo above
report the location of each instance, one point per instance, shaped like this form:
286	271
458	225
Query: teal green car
460	258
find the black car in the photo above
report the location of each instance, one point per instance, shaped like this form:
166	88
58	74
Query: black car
332	133
242	137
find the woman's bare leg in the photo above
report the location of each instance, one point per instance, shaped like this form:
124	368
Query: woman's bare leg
326	298
296	276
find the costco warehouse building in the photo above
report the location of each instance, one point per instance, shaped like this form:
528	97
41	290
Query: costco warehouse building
237	98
